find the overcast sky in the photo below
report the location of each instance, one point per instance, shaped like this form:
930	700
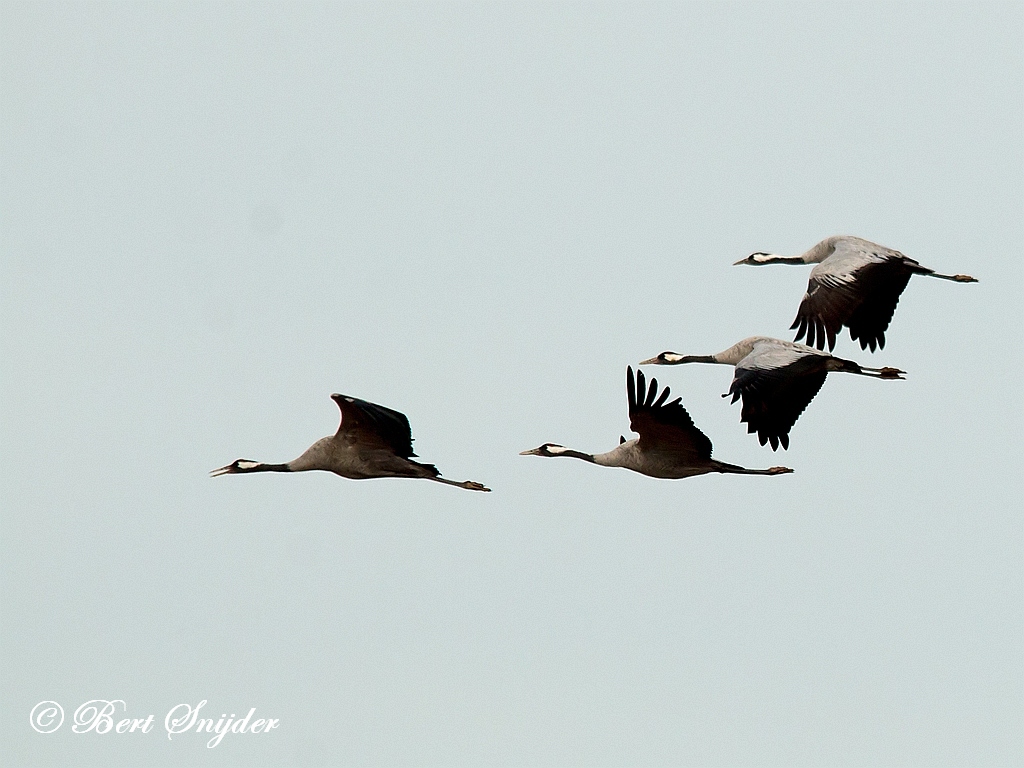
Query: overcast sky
212	216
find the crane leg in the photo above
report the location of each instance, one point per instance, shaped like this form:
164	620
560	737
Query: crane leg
469	485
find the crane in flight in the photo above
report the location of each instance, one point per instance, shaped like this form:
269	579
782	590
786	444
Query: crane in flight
776	379
372	441
855	283
669	446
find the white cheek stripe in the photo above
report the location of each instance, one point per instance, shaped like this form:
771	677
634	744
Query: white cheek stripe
248	464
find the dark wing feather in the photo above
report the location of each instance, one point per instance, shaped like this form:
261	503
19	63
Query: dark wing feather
374	424
821	314
882	285
663	426
865	305
773	399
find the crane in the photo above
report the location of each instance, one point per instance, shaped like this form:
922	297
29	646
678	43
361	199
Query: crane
372	441
669	446
855	283
776	379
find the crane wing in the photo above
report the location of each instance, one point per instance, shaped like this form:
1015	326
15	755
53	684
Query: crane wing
882	286
374	425
774	398
858	289
662	426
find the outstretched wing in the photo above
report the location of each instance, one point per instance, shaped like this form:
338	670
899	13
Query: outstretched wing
883	285
857	286
662	426
374	425
774	396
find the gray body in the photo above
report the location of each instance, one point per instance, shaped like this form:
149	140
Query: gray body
668	465
344	456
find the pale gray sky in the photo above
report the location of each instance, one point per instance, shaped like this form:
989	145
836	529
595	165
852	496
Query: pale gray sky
215	215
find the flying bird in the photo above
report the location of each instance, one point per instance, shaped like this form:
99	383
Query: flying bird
855	283
669	446
776	379
372	441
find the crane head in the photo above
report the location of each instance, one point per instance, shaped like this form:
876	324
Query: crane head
755	258
235	467
548	449
665	358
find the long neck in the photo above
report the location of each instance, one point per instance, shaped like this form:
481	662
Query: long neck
775	258
670	358
698	359
256	467
817	254
576	455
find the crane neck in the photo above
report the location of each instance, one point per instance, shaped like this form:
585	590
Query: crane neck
671	358
244	467
775	258
815	255
575	455
713	359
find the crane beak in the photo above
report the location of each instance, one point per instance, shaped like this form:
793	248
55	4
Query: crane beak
652	361
741	261
531	452
222	471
